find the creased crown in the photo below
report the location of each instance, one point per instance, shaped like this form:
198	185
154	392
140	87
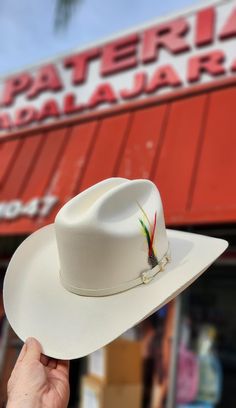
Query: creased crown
101	233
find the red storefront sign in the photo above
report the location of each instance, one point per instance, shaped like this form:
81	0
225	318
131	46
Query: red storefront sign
160	105
191	49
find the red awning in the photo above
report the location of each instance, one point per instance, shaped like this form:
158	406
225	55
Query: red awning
185	145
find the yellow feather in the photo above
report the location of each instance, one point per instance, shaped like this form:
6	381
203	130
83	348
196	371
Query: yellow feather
144	213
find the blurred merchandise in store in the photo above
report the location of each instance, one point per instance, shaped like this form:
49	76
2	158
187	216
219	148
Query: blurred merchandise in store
157	338
120	362
114	376
199	373
209	305
187	369
96	394
210	372
197	405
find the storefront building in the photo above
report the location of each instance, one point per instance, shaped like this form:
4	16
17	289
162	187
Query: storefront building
157	102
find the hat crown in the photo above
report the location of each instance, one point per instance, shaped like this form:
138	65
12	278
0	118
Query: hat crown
101	233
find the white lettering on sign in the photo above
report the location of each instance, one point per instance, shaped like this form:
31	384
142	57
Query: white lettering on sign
10	210
195	48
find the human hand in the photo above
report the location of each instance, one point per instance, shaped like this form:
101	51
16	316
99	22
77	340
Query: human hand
38	381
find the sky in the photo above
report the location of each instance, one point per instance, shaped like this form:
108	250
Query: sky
28	35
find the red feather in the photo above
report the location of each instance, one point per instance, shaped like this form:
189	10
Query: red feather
153	232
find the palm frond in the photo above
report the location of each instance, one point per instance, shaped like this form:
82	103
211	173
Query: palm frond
64	11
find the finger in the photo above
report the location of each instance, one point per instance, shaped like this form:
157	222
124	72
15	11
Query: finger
20	356
33	350
44	360
63	366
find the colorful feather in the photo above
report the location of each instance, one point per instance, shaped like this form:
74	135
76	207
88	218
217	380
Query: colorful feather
144	213
146	232
149	234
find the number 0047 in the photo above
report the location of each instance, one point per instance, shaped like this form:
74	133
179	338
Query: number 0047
35	207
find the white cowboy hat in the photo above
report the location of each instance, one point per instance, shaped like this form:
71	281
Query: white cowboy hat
104	265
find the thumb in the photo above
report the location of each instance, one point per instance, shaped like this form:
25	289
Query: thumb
33	350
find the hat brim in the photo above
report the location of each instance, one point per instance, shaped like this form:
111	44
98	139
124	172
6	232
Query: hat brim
71	326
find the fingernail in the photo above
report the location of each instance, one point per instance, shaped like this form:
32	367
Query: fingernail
29	340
